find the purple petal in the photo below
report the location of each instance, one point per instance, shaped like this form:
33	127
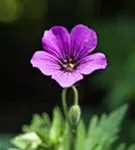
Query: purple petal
92	63
83	41
56	41
67	79
45	62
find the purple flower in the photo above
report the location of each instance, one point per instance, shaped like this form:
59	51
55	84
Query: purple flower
66	56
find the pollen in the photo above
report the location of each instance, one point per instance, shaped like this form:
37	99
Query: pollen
68	65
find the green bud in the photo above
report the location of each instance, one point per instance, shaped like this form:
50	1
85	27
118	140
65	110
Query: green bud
74	114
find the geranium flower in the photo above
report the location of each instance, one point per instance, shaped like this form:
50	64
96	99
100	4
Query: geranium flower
65	56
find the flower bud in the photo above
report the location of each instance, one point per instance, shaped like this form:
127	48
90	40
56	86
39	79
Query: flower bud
74	114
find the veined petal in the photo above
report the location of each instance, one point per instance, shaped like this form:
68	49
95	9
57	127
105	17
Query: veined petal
92	63
67	79
45	62
56	41
83	41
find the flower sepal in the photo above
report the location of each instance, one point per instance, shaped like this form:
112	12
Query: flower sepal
74	115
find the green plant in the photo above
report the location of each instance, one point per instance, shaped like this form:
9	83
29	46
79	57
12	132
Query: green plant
44	134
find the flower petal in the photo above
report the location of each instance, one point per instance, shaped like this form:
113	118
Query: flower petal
45	62
83	41
56	41
92	63
67	79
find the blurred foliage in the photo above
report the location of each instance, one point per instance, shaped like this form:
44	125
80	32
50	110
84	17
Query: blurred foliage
42	134
9	10
4	141
117	40
123	147
12	10
33	9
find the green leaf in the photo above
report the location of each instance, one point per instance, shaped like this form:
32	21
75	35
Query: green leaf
41	134
93	124
66	138
104	132
25	141
57	126
14	149
80	136
132	147
40	125
50	134
121	146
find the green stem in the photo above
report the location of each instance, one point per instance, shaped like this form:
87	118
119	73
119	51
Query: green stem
73	128
75	95
64	104
65	108
73	137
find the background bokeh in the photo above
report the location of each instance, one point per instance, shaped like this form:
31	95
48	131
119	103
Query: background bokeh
24	90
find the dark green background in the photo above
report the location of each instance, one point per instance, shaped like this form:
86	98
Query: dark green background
24	90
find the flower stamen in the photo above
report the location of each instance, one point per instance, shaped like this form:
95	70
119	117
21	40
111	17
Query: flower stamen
68	65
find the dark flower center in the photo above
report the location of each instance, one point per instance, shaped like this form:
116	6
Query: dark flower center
68	65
